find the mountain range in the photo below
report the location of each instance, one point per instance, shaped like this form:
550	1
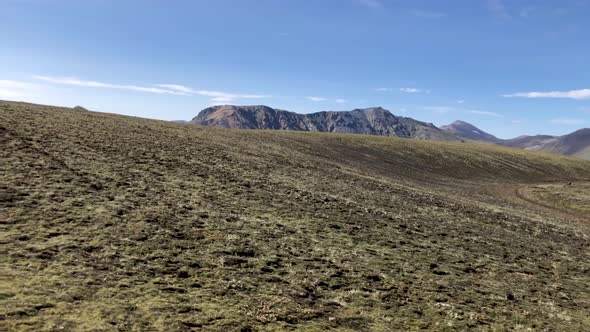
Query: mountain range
574	144
379	121
370	121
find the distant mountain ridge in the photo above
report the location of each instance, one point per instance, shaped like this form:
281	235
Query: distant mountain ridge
468	131
379	121
575	144
529	142
371	121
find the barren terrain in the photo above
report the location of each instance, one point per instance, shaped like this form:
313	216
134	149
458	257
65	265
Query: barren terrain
110	223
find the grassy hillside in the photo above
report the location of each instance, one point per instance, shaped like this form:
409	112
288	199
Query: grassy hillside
584	154
119	223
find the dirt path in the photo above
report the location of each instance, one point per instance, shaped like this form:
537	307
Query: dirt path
546	198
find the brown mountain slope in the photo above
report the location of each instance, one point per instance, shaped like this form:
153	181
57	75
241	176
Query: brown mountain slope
110	222
532	143
572	144
470	132
575	144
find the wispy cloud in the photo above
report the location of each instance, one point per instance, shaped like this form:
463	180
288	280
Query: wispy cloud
427	14
322	99
9	94
224	100
383	89
439	109
371	3
93	84
573	94
460	101
15	84
171	89
568	121
409	90
498	9
216	95
14	89
485	113
414	90
176	87
312	98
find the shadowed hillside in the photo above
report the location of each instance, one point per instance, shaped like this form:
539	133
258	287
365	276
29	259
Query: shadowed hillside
119	223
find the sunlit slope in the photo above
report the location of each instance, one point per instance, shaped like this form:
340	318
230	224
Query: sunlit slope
113	222
389	156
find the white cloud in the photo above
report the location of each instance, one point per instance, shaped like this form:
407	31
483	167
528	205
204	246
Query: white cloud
485	113
341	101
573	94
222	100
8	94
312	98
516	121
93	84
383	89
14	89
15	84
460	101
410	90
216	96
439	109
172	89
427	14
180	88
568	122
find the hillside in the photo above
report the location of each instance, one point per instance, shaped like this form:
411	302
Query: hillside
576	144
111	222
532	143
371	121
378	121
470	132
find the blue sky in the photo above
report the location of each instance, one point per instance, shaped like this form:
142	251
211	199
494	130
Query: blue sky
509	67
